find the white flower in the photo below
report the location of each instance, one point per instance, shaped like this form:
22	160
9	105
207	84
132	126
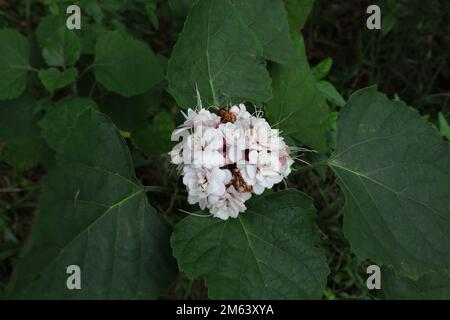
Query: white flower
230	204
262	171
235	141
225	157
195	119
203	183
285	161
204	148
176	154
257	131
240	112
203	118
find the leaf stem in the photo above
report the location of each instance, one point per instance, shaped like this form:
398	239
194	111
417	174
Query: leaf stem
85	71
13	190
91	91
188	289
157	189
312	166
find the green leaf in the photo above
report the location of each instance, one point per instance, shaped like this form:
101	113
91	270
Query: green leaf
155	138
48	27
394	170
321	70
268	252
444	128
298	12
54	79
23	154
268	20
88	36
52	6
94	10
17	120
18	127
63	48
330	93
220	55
298	107
125	65
180	8
150	9
130	114
101	217
388	23
59	122
14	63
431	286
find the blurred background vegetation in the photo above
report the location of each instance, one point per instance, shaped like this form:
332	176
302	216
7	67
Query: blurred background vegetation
408	58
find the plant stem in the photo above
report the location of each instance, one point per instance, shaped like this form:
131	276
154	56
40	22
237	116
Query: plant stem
312	166
91	91
13	190
188	289
85	71
157	189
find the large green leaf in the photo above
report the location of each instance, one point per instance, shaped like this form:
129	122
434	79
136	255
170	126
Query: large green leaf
268	20
94	214
394	169
298	107
62	48
219	54
58	124
298	12
14	64
125	65
268	252
18	128
431	286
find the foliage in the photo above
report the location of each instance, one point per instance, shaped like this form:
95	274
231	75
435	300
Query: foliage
85	123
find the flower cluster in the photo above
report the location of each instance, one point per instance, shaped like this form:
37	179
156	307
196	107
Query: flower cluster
226	156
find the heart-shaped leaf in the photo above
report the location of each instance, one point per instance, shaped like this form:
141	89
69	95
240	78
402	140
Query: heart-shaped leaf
394	169
125	65
268	252
268	20
62	48
217	53
93	214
